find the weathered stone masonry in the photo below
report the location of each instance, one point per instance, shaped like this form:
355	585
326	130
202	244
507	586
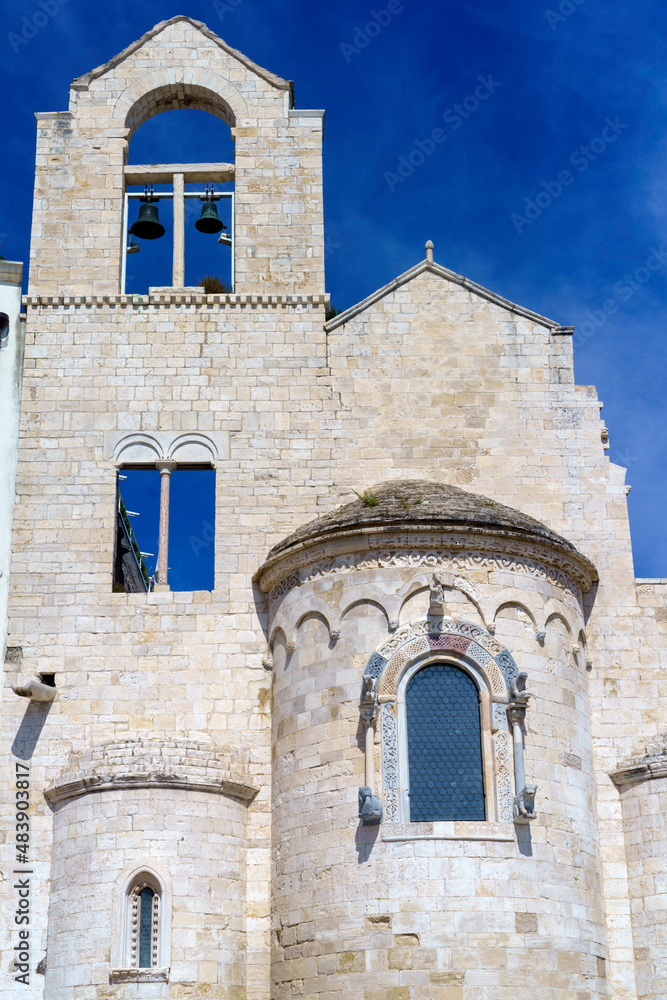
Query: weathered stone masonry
210	746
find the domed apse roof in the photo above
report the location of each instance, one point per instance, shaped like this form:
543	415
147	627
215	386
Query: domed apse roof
420	502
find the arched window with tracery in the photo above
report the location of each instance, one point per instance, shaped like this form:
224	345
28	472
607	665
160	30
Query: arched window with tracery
444	745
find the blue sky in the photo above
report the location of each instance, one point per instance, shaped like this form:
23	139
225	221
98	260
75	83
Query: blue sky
556	75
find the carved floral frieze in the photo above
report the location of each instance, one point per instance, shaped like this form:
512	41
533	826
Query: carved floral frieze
410	551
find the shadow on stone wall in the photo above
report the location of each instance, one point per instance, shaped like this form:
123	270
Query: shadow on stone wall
30	729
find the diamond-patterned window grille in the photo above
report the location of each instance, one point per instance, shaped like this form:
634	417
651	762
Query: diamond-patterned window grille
444	746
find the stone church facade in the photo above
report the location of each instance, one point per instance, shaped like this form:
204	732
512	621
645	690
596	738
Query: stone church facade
411	746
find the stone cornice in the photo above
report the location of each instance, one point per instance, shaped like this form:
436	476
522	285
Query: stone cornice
444	272
643	767
139	975
170	298
156	763
414	545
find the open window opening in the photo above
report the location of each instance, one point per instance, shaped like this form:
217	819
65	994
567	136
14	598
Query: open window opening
178	223
165	529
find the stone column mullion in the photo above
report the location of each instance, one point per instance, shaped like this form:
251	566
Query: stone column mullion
178	270
165	469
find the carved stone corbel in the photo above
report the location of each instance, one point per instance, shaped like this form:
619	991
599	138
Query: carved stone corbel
524	800
36	690
370	807
524	805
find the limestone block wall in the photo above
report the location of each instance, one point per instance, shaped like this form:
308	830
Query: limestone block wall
393	912
642	784
439	377
79	184
433	376
248	375
129	815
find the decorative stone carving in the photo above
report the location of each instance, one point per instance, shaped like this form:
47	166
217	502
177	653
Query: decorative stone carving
524	805
436	604
433	634
369	699
387	684
505	661
519	696
524	800
499	716
139	976
454	553
468	588
143	447
375	665
370	807
390	762
503	777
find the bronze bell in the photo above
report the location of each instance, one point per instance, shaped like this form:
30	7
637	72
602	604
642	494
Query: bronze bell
148	225
208	221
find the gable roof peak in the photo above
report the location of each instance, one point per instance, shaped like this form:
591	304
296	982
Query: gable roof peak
428	264
83	82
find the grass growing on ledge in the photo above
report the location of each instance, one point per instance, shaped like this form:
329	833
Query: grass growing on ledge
367	498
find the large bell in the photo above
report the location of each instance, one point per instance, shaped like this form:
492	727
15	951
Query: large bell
148	225
208	221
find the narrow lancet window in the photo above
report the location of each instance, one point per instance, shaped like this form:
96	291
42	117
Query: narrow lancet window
144	927
444	746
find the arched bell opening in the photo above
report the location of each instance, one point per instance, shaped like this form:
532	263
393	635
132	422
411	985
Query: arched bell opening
179	193
177	97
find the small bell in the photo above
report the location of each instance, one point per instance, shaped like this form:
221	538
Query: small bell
148	225
208	221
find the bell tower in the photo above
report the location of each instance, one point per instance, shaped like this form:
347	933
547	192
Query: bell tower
157	691
79	221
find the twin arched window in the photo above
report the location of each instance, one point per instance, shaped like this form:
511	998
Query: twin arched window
445	768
